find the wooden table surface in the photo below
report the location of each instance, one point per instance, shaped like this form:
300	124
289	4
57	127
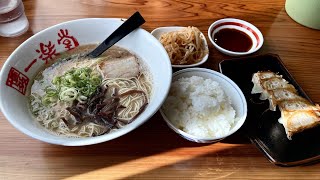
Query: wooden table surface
153	150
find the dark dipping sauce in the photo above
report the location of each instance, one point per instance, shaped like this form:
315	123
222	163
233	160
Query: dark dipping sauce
233	40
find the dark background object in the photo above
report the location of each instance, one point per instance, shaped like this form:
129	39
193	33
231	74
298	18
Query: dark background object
262	126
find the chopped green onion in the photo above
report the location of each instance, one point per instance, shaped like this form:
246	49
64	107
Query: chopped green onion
74	84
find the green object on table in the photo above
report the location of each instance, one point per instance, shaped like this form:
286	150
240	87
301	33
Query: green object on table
305	12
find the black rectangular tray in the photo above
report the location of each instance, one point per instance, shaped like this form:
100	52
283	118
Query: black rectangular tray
262	126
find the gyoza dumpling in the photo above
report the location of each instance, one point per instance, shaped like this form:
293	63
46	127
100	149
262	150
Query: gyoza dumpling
297	114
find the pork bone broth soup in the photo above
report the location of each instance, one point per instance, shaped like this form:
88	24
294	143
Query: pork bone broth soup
77	96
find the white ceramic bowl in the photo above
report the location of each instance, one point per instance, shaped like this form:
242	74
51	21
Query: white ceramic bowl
25	62
159	31
238	101
231	23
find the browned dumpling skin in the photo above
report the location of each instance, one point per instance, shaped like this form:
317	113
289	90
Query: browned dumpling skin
297	114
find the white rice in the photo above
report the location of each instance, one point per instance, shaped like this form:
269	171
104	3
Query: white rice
199	107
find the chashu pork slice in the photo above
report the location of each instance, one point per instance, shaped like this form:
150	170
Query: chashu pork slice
297	113
123	67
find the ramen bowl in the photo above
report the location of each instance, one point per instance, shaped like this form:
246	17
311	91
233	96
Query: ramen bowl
30	57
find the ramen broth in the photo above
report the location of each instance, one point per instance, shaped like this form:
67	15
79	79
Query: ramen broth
77	96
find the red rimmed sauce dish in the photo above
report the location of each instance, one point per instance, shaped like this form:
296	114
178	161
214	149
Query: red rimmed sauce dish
235	37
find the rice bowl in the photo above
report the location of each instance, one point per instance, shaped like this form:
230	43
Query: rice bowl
203	105
199	107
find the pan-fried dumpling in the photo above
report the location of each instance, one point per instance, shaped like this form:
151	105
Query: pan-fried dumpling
297	114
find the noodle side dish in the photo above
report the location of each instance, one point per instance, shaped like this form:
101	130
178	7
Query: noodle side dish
185	46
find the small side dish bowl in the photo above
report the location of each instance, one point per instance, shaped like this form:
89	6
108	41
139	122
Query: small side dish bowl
231	90
159	31
21	67
252	32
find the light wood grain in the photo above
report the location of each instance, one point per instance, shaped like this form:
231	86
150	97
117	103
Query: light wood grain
154	151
